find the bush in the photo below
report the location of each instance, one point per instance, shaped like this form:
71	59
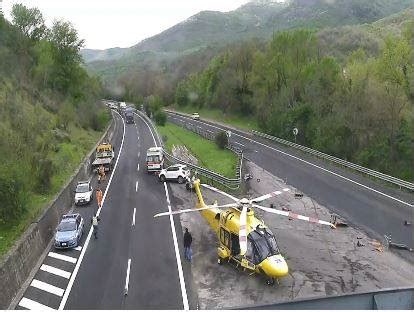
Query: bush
160	118
13	194
221	139
45	171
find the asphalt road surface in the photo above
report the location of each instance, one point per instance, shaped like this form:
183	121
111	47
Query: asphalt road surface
135	262
375	208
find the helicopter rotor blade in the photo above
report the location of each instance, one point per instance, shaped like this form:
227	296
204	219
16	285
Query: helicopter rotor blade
267	196
243	231
192	210
294	215
161	214
220	192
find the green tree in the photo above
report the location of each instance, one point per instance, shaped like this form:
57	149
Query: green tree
29	21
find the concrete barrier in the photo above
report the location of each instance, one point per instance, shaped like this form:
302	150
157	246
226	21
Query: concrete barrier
21	260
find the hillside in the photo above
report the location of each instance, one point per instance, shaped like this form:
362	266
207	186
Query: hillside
49	117
255	19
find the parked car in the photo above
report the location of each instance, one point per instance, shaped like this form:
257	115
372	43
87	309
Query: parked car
69	231
195	116
179	173
83	193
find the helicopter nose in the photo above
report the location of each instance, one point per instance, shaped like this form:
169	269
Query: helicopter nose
275	266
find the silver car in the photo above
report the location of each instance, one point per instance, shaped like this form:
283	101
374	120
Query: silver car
69	231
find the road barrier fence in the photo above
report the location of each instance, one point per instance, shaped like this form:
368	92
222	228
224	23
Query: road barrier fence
230	183
401	183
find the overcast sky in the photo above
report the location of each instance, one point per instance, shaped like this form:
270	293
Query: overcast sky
121	23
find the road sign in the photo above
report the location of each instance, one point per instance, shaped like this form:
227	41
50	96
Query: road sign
295	131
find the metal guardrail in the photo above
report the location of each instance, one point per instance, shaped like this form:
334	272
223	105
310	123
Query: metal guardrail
370	172
232	184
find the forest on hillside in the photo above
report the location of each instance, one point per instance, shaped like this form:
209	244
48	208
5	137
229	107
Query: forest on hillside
361	110
349	92
49	114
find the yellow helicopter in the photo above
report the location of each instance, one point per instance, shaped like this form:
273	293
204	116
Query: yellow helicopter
242	237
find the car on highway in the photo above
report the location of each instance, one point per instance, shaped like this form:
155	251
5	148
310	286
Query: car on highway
83	193
195	116
179	173
69	231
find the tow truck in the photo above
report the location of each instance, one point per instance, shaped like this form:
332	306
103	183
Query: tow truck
104	156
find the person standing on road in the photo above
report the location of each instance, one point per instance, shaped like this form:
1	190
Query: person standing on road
188	239
101	173
95	220
99	197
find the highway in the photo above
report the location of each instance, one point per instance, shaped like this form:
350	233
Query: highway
135	263
375	208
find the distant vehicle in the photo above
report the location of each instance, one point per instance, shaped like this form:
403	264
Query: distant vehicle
83	193
104	156
122	105
155	159
195	116
129	117
179	173
69	231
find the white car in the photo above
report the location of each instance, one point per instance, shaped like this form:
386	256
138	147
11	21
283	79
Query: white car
83	193
195	116
176	172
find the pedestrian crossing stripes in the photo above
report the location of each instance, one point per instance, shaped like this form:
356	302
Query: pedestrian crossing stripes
47	287
55	271
62	257
33	305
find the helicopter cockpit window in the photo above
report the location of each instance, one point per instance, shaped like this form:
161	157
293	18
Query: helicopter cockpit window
264	244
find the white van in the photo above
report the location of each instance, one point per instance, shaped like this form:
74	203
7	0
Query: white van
155	159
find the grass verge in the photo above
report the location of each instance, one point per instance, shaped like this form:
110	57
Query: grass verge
208	154
237	121
66	160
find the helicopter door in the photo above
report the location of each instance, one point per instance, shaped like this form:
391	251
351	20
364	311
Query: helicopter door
235	245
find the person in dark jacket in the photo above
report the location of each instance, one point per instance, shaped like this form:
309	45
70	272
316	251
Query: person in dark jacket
188	239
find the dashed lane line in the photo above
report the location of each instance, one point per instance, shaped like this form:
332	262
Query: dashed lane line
55	271
127	277
136	186
133	217
33	305
47	287
62	257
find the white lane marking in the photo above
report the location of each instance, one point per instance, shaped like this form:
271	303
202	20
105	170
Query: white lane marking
55	271
47	287
33	305
133	217
138	166
136	186
85	246
78	248
316	166
62	257
127	277
177	252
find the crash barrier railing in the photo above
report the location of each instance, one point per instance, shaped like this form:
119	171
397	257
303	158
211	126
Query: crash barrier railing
370	172
210	135
232	184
